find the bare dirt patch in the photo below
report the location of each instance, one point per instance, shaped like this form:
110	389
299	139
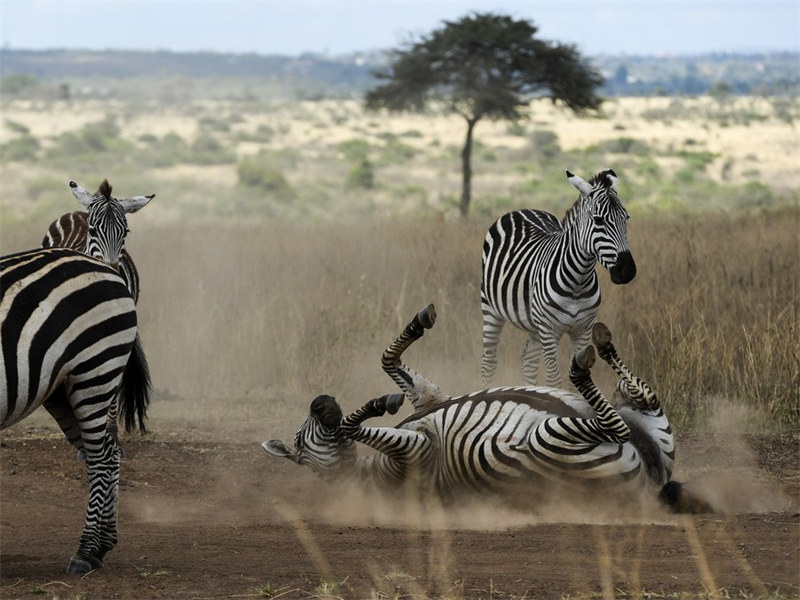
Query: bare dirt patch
222	520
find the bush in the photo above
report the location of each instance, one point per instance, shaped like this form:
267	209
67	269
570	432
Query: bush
545	145
361	176
207	150
20	149
355	149
254	174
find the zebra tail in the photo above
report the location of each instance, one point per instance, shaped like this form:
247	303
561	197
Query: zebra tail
683	501
135	391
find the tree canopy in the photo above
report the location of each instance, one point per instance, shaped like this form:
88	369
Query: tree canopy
484	66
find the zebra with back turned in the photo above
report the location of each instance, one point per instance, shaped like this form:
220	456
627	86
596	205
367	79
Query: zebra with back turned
100	233
68	332
515	442
538	273
105	213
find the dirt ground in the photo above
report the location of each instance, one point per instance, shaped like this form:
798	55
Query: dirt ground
201	519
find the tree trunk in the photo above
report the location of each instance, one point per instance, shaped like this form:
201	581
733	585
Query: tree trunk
466	168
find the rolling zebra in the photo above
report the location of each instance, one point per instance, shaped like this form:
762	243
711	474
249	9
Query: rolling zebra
106	214
67	334
508	441
539	274
100	233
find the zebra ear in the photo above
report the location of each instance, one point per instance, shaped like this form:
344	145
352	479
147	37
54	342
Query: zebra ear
612	179
131	205
582	186
279	449
81	195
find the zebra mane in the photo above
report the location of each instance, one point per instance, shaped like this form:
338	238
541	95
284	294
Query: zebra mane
598	178
104	190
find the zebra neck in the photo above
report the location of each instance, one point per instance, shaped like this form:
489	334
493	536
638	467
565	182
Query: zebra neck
575	264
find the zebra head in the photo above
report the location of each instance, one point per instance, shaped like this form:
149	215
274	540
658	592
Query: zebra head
319	443
605	223
107	224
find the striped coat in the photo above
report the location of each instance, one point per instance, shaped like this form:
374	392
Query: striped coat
509	441
68	338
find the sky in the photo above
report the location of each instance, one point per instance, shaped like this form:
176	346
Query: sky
596	27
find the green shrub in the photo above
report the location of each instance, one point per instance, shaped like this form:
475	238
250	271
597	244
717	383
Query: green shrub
23	148
255	174
361	176
545	145
208	150
354	149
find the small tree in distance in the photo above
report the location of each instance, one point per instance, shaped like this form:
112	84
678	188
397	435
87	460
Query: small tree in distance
484	66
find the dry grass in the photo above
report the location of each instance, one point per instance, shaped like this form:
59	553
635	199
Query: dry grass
246	322
247	318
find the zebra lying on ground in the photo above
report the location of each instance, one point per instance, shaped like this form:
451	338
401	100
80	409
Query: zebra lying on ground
67	342
100	233
538	273
511	441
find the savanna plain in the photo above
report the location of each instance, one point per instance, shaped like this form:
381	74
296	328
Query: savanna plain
287	246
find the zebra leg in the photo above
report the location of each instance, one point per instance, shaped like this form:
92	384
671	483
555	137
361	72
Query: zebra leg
607	426
58	407
100	527
630	387
419	390
550	351
531	355
376	407
492	328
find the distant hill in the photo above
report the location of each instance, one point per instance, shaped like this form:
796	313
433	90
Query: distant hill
312	75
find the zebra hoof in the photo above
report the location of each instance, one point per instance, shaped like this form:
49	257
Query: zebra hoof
601	335
585	358
427	316
394	402
79	565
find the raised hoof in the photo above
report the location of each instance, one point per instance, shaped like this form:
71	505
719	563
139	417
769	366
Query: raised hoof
427	316
601	335
585	358
80	566
394	402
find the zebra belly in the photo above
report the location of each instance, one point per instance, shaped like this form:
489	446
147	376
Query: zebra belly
480	445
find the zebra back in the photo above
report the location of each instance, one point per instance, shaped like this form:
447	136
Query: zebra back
69	316
70	231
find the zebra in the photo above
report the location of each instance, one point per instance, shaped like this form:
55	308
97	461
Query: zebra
513	442
67	338
100	233
106	214
539	274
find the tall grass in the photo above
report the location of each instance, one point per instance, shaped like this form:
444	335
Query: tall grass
711	317
250	320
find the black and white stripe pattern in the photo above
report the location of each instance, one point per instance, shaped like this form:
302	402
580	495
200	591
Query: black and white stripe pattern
68	338
71	231
539	274
101	232
501	440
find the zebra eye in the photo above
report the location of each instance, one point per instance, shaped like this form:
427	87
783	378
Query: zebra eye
598	220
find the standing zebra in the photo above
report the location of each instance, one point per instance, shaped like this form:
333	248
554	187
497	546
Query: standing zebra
67	340
539	274
100	233
510	441
106	214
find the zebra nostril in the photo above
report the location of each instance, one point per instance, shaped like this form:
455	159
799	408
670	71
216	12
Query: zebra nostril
624	269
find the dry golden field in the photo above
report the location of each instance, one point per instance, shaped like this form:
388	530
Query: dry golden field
255	300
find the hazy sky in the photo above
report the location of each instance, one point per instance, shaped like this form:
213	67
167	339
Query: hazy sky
338	26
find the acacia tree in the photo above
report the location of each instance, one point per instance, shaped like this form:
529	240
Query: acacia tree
483	66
